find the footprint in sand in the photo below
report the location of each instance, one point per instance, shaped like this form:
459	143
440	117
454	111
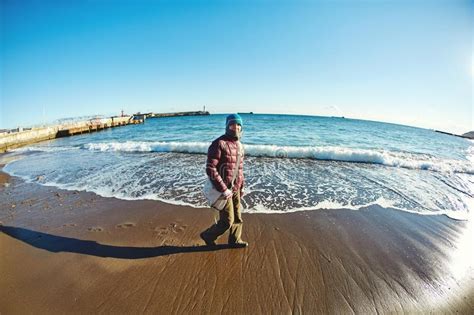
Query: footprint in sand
95	229
70	224
176	227
125	225
161	230
172	227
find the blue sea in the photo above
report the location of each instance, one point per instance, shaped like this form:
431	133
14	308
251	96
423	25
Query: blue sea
293	163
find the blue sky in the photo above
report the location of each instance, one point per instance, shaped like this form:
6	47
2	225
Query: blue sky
408	62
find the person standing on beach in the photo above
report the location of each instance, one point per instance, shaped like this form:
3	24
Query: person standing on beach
222	157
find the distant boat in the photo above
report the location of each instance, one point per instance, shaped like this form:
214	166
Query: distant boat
249	113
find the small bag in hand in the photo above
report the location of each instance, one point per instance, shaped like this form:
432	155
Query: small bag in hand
214	198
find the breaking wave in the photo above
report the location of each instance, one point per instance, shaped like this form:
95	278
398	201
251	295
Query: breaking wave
381	157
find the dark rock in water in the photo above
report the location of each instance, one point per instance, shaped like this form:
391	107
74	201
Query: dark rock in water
469	135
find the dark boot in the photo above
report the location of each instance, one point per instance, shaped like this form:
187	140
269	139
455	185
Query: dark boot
209	241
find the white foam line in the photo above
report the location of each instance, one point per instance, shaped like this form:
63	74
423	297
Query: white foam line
43	149
451	214
140	146
326	205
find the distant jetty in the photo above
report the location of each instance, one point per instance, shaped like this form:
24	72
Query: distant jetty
11	139
144	116
198	113
141	117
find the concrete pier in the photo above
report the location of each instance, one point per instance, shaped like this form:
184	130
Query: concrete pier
21	138
12	140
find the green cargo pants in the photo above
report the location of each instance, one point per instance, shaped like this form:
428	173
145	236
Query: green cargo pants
230	218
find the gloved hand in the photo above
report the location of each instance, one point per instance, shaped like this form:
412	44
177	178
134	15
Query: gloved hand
227	194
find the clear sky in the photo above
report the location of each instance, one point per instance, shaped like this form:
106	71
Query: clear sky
408	62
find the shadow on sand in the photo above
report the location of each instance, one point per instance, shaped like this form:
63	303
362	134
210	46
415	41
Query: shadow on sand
55	244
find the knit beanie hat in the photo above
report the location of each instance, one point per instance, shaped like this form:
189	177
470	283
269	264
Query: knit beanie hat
233	118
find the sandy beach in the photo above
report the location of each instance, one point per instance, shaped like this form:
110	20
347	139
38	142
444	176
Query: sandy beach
75	252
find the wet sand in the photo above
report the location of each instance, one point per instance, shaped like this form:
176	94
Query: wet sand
70	252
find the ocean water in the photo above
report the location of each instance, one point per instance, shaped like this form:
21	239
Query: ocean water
293	163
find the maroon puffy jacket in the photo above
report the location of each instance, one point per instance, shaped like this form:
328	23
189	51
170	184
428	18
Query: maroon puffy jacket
221	161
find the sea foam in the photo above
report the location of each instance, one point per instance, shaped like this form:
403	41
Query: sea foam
371	156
